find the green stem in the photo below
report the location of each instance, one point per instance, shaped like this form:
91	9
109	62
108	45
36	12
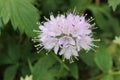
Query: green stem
62	63
30	65
115	73
97	2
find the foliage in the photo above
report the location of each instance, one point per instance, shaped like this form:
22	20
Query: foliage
113	3
21	13
18	57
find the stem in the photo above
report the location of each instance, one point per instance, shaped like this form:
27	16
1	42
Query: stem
62	63
115	73
101	75
97	2
30	65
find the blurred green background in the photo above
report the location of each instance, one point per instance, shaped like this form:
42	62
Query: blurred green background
18	57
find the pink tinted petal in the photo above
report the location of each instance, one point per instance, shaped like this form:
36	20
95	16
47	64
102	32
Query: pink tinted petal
67	53
50	43
66	40
85	42
52	17
74	51
56	48
62	51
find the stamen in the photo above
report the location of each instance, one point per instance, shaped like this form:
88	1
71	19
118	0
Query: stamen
76	58
94	45
92	25
40	50
71	60
93	49
38	31
96	40
47	52
86	15
38	23
90	20
38	45
46	18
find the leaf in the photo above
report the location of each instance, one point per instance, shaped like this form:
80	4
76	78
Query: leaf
14	52
99	18
88	58
105	20
74	70
43	69
5	11
108	77
22	13
1	25
103	59
10	72
79	5
24	69
5	59
114	3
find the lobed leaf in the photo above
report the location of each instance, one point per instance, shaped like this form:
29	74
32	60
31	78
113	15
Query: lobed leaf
22	14
114	3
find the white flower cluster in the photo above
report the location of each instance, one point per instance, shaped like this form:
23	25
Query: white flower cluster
66	35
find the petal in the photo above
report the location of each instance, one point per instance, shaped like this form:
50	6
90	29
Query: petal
66	40
77	44
41	27
71	41
52	17
50	43
74	52
56	48
68	53
62	51
84	42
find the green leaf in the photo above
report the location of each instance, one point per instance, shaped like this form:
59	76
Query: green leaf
10	72
104	19
74	70
98	14
103	59
108	77
114	3
79	5
14	52
22	13
24	70
5	59
5	11
43	69
88	58
1	25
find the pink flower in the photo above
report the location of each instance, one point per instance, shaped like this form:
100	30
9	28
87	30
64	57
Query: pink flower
66	35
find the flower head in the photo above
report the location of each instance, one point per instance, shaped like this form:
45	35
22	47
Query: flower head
66	34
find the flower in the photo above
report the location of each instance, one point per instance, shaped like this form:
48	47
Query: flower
26	78
66	35
117	40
